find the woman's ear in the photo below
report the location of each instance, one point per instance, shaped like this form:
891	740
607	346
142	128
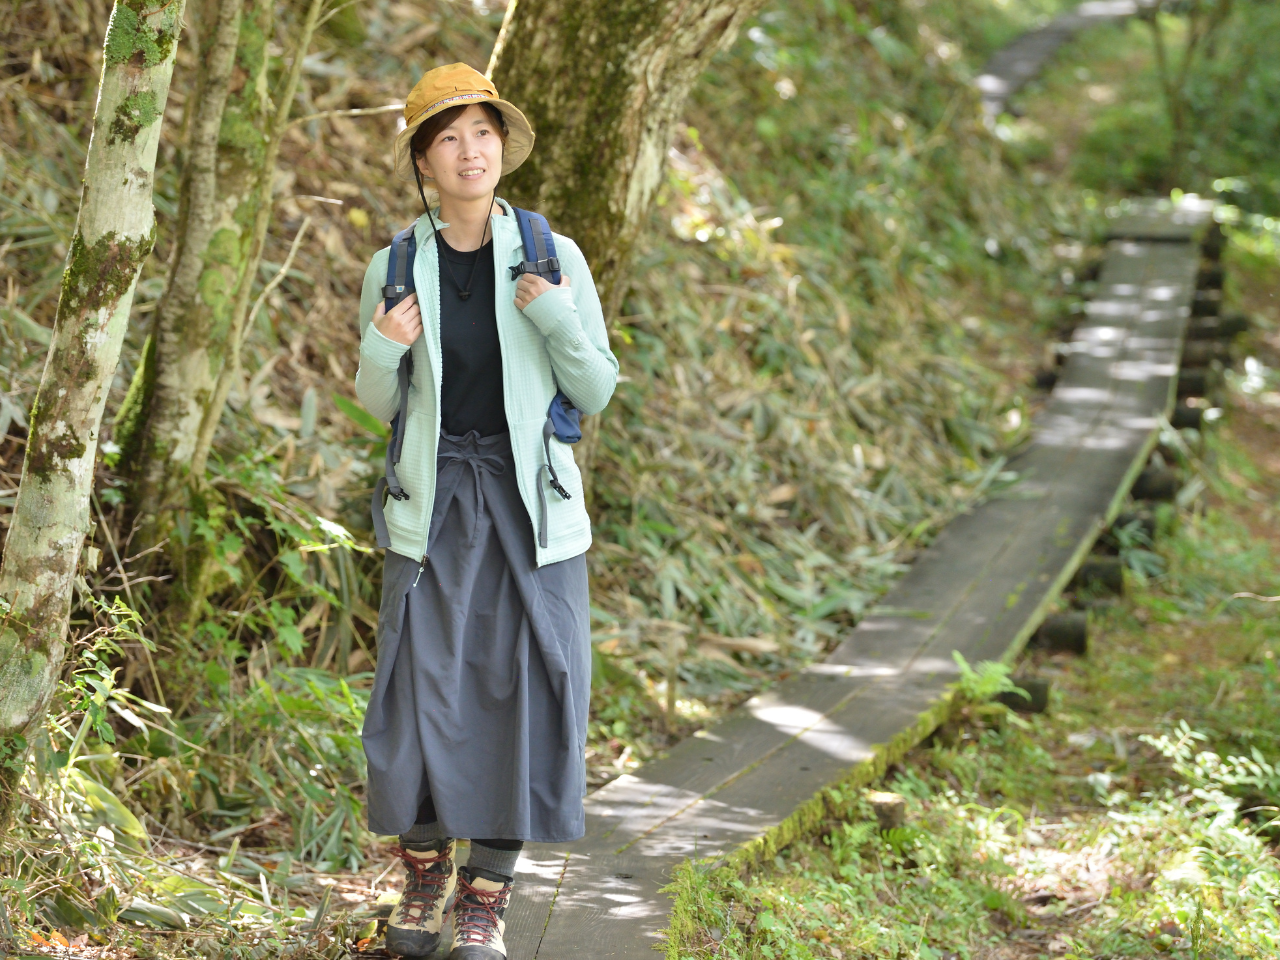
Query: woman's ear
423	168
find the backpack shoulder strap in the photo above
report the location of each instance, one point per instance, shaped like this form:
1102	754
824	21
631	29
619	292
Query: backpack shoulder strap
404	246
539	247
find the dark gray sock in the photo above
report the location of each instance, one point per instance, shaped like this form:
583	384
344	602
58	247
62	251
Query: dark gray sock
501	862
422	833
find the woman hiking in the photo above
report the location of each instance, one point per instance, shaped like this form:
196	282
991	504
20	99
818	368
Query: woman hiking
478	716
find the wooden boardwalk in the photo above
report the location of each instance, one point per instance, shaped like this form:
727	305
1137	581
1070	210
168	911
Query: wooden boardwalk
1010	69
980	589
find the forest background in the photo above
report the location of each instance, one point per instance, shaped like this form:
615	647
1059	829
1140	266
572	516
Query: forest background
827	337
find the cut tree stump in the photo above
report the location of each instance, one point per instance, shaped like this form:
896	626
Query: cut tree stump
1101	575
1158	484
1193	382
890	809
1037	689
1063	633
1201	353
1210	277
1186	417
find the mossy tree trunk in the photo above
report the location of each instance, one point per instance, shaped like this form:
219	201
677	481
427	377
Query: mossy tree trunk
159	421
604	83
115	232
180	390
254	213
253	241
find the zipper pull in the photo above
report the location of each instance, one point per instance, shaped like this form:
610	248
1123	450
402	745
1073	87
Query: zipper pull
422	567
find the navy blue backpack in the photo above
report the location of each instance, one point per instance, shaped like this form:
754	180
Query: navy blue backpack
563	418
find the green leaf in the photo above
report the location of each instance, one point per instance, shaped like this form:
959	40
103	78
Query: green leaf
153	915
26	327
296	567
361	417
107	805
190	896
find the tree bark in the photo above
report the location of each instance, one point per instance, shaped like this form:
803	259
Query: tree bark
115	232
159	422
253	243
604	83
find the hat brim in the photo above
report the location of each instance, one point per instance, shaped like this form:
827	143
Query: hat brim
516	149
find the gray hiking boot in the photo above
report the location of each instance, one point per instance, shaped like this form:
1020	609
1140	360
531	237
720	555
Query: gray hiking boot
430	885
477	916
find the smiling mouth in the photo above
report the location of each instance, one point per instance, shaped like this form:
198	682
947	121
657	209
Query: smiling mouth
472	173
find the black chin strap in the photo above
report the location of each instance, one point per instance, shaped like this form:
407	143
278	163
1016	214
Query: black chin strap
422	195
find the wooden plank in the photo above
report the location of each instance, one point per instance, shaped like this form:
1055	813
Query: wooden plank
1157	221
609	907
765	795
538	876
636	803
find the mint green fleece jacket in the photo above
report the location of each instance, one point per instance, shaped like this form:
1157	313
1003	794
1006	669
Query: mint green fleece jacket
558	341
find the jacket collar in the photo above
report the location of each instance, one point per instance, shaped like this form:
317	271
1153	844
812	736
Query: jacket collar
506	234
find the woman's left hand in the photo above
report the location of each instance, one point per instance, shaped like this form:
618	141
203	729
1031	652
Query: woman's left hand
530	286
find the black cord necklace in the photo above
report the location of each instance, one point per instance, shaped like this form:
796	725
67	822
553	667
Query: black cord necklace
463	292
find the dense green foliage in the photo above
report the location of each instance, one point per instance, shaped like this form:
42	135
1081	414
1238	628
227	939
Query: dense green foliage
1232	92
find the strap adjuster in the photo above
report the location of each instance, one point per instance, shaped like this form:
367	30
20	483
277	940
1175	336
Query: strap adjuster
549	265
391	290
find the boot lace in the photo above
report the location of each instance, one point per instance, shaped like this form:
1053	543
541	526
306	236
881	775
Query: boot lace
416	905
475	914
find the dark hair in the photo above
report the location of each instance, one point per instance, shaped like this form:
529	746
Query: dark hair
433	126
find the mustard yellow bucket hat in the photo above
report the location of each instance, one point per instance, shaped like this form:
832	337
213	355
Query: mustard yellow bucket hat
451	86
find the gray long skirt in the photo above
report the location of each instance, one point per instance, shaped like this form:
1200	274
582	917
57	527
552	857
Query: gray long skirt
483	682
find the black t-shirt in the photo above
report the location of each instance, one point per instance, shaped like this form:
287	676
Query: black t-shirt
471	389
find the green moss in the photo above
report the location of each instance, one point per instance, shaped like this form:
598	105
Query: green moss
96	278
131	40
224	248
241	131
245	114
131	418
98	275
213	290
135	113
251	54
51	444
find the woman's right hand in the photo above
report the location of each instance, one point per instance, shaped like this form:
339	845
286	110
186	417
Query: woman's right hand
403	324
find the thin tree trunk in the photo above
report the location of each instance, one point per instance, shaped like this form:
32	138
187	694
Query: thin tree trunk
604	83
197	566
159	422
254	244
114	235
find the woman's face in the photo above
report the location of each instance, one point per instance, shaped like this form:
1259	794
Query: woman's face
465	161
